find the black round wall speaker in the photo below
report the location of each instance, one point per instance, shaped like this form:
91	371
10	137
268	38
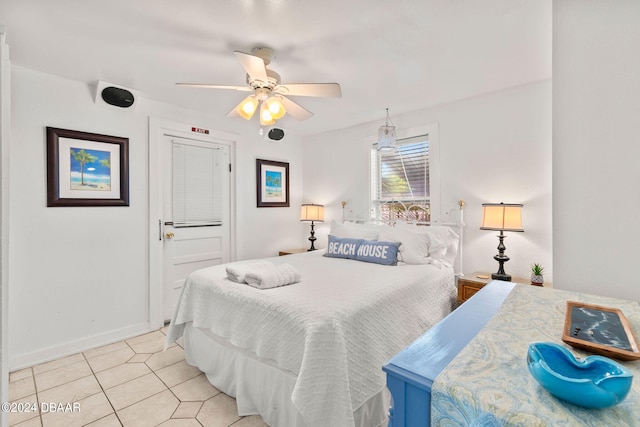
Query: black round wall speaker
118	97
276	134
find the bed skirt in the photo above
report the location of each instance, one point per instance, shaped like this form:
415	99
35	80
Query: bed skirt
259	385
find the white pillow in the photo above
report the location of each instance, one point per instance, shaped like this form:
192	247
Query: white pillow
353	231
443	243
415	245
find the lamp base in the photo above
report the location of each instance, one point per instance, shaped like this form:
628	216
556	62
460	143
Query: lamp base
312	248
501	258
504	277
312	239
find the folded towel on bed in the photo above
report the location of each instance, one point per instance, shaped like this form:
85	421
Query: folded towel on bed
281	275
238	271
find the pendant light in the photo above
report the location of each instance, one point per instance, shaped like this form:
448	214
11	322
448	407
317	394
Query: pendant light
387	136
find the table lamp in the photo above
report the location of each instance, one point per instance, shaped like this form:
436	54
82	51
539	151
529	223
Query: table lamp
313	213
501	217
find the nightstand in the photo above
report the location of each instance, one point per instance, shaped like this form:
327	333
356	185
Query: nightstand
469	284
292	251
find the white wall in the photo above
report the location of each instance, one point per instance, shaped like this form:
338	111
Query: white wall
493	148
596	112
5	121
79	276
262	232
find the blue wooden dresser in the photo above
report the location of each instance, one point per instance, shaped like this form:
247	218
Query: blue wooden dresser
411	372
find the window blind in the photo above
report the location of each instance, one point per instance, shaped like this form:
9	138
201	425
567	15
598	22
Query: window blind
400	178
197	196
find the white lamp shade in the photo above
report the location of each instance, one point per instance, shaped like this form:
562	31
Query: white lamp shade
311	212
501	216
247	107
266	119
275	107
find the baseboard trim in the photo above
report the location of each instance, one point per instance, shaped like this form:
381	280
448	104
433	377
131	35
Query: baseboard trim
51	353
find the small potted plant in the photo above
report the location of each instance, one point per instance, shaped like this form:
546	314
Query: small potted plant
536	274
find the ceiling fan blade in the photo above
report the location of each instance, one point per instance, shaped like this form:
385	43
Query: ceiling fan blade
234	112
325	90
295	110
208	86
253	65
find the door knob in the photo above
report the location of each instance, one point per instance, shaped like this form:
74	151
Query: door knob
170	235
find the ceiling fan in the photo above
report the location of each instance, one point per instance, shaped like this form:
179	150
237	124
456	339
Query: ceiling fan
268	93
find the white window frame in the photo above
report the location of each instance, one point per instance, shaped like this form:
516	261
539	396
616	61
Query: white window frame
434	165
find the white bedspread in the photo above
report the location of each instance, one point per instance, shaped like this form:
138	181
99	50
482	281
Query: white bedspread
334	330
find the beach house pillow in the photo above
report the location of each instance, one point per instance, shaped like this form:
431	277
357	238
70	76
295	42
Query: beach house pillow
385	253
353	231
339	247
414	248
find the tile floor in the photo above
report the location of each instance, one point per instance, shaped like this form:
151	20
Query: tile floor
128	383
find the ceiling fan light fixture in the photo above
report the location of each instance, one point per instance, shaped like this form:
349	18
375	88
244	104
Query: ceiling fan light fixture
387	136
247	107
265	85
266	119
277	110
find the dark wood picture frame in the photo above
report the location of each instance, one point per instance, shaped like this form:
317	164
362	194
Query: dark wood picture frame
271	191
111	188
621	343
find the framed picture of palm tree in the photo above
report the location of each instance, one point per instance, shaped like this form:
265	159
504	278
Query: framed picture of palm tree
86	169
272	184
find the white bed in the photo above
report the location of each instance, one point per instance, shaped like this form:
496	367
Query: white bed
310	354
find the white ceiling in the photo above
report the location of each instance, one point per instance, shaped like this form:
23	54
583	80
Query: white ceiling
402	54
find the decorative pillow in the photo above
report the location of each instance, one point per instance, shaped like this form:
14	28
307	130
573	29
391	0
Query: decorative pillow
342	247
385	253
353	231
414	248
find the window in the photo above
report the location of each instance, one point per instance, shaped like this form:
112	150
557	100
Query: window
400	181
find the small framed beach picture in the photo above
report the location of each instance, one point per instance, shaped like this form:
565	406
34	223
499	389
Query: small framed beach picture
86	169
272	184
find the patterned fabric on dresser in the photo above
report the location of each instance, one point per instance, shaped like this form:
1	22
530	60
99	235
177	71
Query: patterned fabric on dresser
488	383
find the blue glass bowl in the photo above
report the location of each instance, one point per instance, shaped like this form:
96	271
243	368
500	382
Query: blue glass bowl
593	382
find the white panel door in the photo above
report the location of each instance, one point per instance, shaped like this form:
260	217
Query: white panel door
193	240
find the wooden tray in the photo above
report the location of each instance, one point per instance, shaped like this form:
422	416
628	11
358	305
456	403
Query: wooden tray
601	330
